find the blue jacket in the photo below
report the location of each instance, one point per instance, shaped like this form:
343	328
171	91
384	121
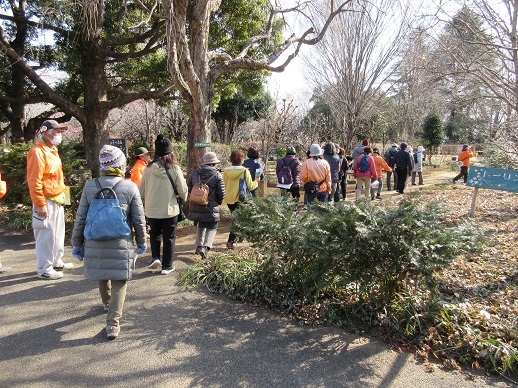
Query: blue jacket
335	165
404	160
253	165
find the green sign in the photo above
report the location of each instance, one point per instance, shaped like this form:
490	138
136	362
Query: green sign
493	178
200	144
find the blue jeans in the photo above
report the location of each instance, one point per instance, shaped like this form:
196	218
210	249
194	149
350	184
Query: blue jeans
321	196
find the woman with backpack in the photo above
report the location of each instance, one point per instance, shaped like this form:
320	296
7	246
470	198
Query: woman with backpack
206	215
364	172
288	173
110	262
162	180
231	177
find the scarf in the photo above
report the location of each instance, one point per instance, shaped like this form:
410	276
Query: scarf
113	171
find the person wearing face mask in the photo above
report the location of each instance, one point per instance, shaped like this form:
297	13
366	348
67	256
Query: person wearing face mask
47	190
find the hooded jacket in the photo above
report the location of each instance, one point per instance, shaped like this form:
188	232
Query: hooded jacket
294	163
110	259
212	178
231	177
157	192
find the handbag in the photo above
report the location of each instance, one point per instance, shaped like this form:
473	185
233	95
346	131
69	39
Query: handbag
181	216
244	192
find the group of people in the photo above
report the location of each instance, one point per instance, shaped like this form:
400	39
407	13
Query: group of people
153	197
323	175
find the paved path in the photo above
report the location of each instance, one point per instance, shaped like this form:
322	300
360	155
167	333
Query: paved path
51	336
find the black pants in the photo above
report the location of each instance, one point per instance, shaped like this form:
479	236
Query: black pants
163	229
294	191
462	174
343	186
402	175
389	175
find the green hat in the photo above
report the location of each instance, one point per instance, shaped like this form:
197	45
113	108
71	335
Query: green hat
290	151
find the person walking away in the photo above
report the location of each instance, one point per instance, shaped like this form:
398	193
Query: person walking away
465	157
403	166
111	262
256	169
358	150
288	169
418	165
231	176
3	191
331	157
381	165
390	158
143	158
207	217
346	166
47	190
160	203
315	175
364	172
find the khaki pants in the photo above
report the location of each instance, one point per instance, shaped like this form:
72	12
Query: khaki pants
366	183
113	292
49	234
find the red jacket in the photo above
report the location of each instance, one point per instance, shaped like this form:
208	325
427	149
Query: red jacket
369	174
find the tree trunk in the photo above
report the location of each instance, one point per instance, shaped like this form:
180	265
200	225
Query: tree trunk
199	131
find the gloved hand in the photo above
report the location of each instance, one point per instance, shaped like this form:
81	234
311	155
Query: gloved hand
78	252
141	248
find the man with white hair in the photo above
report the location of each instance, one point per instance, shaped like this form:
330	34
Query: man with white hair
418	165
47	190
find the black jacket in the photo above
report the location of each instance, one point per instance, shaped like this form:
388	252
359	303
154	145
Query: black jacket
212	178
403	160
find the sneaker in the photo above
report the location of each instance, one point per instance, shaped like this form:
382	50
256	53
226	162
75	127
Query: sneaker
50	275
378	196
167	270
63	267
106	306
112	332
203	252
198	250
230	245
155	264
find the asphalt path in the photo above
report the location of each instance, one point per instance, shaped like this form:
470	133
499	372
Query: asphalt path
51	335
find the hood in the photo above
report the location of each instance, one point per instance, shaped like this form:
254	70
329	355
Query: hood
359	148
234	172
158	171
206	171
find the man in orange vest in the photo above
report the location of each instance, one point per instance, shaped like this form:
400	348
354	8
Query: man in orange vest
143	158
47	189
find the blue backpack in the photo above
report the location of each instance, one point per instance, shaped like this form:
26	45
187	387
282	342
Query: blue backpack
106	218
364	164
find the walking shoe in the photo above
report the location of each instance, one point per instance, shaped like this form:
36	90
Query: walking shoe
112	332
203	252
230	245
198	250
63	267
155	264
50	275
167	270
378	196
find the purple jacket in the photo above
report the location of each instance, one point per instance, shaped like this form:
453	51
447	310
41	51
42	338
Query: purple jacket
294	164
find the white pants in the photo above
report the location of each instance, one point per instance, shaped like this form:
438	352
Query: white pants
49	234
366	183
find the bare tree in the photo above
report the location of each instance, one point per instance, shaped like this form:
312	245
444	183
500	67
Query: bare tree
195	68
354	60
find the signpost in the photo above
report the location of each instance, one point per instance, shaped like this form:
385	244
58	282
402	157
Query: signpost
200	144
119	143
490	178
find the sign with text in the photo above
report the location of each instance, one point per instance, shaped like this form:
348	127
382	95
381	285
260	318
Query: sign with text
493	178
200	144
119	143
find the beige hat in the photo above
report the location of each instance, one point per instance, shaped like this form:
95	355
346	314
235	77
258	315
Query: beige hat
209	158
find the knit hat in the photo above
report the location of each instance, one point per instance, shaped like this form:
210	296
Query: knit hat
365	142
420	149
111	156
142	151
163	146
315	150
403	145
290	151
209	158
